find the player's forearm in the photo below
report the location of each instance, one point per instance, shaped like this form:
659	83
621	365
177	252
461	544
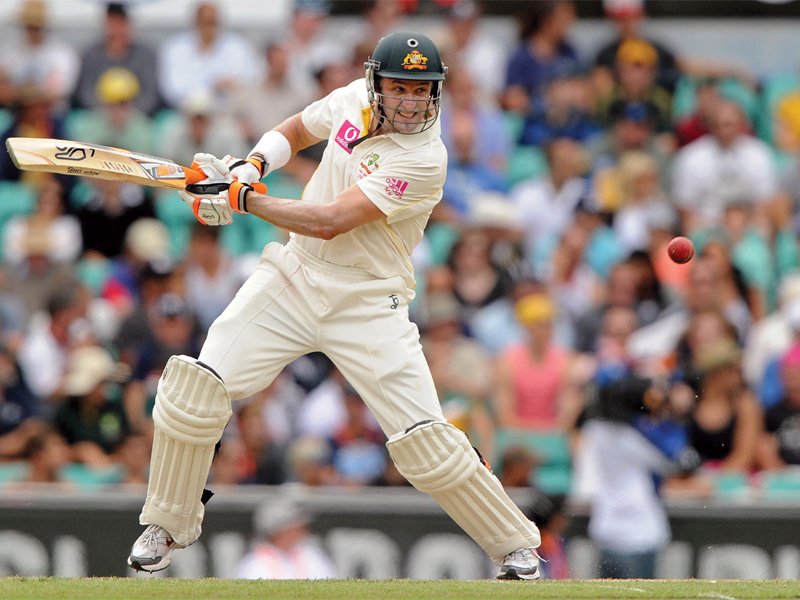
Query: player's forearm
296	216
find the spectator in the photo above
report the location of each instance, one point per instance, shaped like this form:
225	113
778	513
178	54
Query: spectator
477	280
46	454
359	452
201	127
285	548
33	116
727	422
278	90
459	365
117	121
146	245
698	123
173	331
50	340
262	459
152	280
109	213
774	334
725	166
92	419
37	59
205	60
565	112
634	437
547	203
19	409
467	38
118	50
627	16
779	446
489	142
62	230
210	279
643	203
543	55
534	386
133	456
38	277
632	129
309	48
309	461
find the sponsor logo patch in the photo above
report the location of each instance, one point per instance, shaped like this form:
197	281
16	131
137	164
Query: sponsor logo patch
415	60
347	133
367	166
396	187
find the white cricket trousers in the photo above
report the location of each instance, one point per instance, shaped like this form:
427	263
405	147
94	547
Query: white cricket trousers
294	304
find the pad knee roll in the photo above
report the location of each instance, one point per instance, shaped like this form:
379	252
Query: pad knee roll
191	411
438	459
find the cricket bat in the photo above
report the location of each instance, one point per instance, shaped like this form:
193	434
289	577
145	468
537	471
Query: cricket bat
102	162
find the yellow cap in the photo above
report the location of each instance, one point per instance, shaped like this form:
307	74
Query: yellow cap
637	52
117	85
535	308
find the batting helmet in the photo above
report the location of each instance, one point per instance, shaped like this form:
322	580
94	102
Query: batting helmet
410	56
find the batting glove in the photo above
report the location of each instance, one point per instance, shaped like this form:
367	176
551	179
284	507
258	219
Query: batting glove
208	198
248	171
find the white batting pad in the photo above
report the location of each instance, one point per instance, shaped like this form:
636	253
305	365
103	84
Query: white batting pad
191	411
437	458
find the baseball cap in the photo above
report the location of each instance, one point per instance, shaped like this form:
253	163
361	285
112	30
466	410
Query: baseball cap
636	51
535	308
717	354
147	239
117	85
171	305
89	367
275	516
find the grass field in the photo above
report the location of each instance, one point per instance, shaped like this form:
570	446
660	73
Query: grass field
103	588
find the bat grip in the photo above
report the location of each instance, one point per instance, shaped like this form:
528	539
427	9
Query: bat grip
193	176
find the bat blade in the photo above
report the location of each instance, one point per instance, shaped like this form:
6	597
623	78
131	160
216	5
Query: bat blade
100	162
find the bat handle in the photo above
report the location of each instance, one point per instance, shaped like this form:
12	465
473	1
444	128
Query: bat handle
193	176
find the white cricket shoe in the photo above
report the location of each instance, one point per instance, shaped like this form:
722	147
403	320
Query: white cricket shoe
152	551
520	564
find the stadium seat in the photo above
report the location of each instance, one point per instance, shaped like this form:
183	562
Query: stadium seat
6	118
89	478
683	100
172	211
525	162
781	485
16	198
553	474
13	471
75	123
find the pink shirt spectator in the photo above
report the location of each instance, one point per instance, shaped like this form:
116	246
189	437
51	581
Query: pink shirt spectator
537	385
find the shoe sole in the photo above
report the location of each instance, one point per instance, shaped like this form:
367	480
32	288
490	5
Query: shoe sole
138	566
513	575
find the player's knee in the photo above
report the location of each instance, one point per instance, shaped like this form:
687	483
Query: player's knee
192	402
433	456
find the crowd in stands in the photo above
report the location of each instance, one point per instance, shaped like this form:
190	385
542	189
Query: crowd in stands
542	278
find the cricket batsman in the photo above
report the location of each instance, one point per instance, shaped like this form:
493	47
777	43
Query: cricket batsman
341	285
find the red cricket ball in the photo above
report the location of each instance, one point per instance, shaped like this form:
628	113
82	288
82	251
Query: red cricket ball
680	250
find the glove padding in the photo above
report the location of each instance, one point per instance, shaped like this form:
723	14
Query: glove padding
248	170
214	198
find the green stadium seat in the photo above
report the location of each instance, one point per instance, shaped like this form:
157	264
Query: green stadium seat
90	478
781	485
16	198
11	472
553	475
75	123
525	162
6	118
683	99
178	218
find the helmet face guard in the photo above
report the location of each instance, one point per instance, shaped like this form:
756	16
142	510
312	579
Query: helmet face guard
405	56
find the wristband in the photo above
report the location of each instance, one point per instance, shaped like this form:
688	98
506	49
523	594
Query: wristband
274	149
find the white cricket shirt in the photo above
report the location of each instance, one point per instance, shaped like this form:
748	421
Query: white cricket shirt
401	174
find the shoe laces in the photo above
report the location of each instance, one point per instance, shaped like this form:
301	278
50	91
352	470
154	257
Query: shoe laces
151	535
523	555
